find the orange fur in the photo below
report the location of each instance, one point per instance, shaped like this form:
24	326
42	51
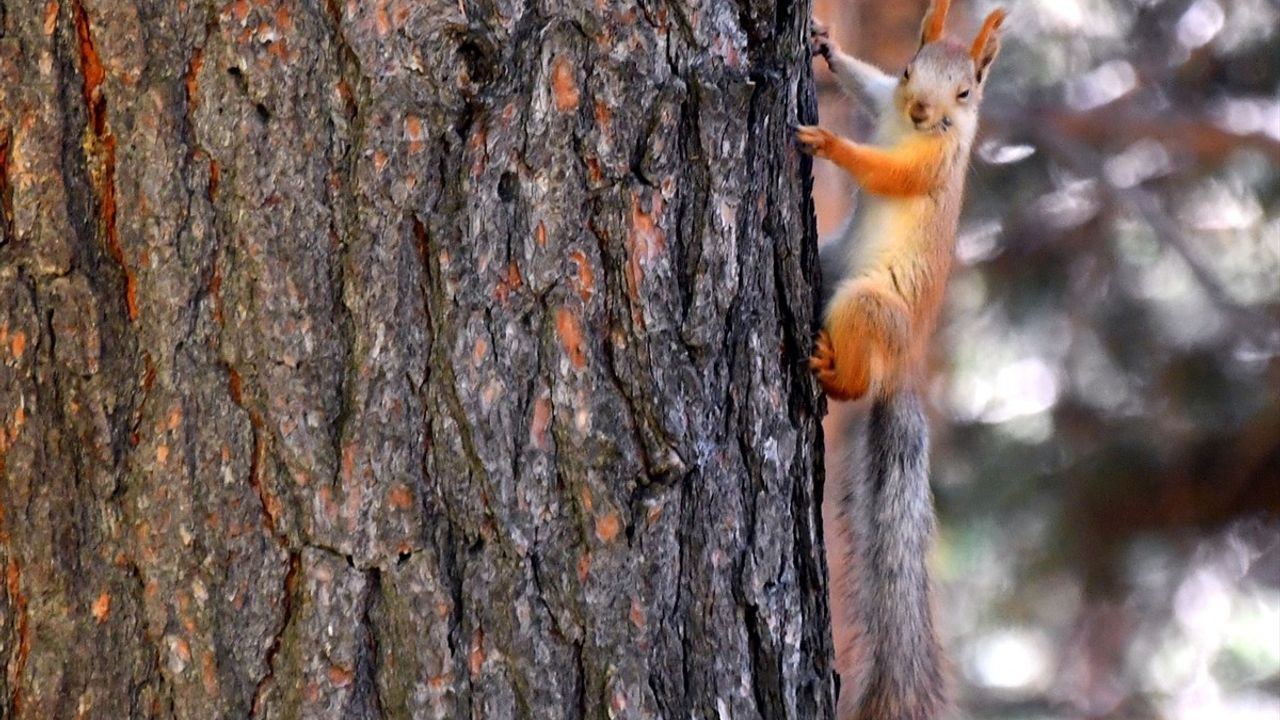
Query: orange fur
909	168
877	325
879	320
934	21
989	26
867	341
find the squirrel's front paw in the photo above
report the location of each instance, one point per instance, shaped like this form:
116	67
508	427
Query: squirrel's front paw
814	140
820	39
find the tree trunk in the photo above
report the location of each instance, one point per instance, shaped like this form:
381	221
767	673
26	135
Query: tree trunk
407	359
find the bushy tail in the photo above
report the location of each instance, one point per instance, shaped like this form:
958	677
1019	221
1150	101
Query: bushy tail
890	517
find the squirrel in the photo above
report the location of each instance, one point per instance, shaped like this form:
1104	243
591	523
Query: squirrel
883	287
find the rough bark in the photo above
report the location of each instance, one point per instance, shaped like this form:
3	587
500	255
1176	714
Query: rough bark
407	359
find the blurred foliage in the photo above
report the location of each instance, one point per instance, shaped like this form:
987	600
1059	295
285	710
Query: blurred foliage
1107	446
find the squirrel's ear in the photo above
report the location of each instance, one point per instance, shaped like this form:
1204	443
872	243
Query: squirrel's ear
987	44
934	20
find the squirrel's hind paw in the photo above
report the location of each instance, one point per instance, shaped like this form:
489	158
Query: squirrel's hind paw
823	357
838	384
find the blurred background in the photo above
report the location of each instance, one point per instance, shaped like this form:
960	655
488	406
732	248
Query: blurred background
1105	386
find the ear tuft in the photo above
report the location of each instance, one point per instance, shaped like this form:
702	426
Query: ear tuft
934	21
987	43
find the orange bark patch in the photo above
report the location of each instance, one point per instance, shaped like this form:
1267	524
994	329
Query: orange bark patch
652	516
476	145
586	280
383	20
104	148
541	421
584	567
272	508
162	454
130	292
400	14
283	19
102	607
209	673
13	585
148	373
280	49
479	351
636	615
192	78
570	332
413	127
400	497
91	67
564	87
12	576
540	235
346	96
512	281
607	526
602	113
594	171
215	174
645	241
233	385
348	463
340	676
50	16
476	659
18	344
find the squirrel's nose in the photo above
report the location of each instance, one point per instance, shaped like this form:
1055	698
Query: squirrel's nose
919	112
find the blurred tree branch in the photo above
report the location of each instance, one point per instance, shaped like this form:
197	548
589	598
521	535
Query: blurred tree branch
1199	137
1087	162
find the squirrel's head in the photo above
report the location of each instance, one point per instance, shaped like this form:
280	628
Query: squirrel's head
941	87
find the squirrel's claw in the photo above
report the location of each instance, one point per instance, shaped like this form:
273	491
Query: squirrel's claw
813	139
819	39
824	357
823	365
823	362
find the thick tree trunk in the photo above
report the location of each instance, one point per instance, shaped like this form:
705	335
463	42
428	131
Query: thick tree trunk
407	359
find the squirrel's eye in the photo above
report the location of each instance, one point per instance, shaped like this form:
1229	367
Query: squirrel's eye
906	74
962	95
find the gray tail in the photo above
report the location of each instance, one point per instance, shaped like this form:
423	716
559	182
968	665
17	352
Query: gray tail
890	517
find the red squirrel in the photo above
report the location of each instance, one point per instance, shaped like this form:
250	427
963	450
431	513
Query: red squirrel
898	248
884	283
